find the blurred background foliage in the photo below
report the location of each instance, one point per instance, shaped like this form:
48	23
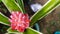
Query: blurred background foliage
48	25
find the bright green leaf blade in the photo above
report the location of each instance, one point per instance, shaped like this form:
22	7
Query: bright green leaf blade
28	31
21	4
11	5
47	8
4	19
31	31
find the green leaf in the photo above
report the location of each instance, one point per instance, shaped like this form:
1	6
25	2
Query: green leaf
12	5
4	20
47	8
31	31
11	31
27	31
21	4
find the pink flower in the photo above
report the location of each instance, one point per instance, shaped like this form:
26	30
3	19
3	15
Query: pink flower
19	21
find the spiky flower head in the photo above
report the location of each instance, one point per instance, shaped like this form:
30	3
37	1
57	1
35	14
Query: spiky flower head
19	21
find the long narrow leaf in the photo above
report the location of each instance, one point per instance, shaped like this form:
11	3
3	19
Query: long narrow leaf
21	4
4	19
47	8
12	5
28	31
31	31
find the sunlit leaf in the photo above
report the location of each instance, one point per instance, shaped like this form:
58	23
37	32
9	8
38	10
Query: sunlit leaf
12	5
47	8
31	31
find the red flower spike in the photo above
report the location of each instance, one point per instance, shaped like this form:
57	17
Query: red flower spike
19	21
